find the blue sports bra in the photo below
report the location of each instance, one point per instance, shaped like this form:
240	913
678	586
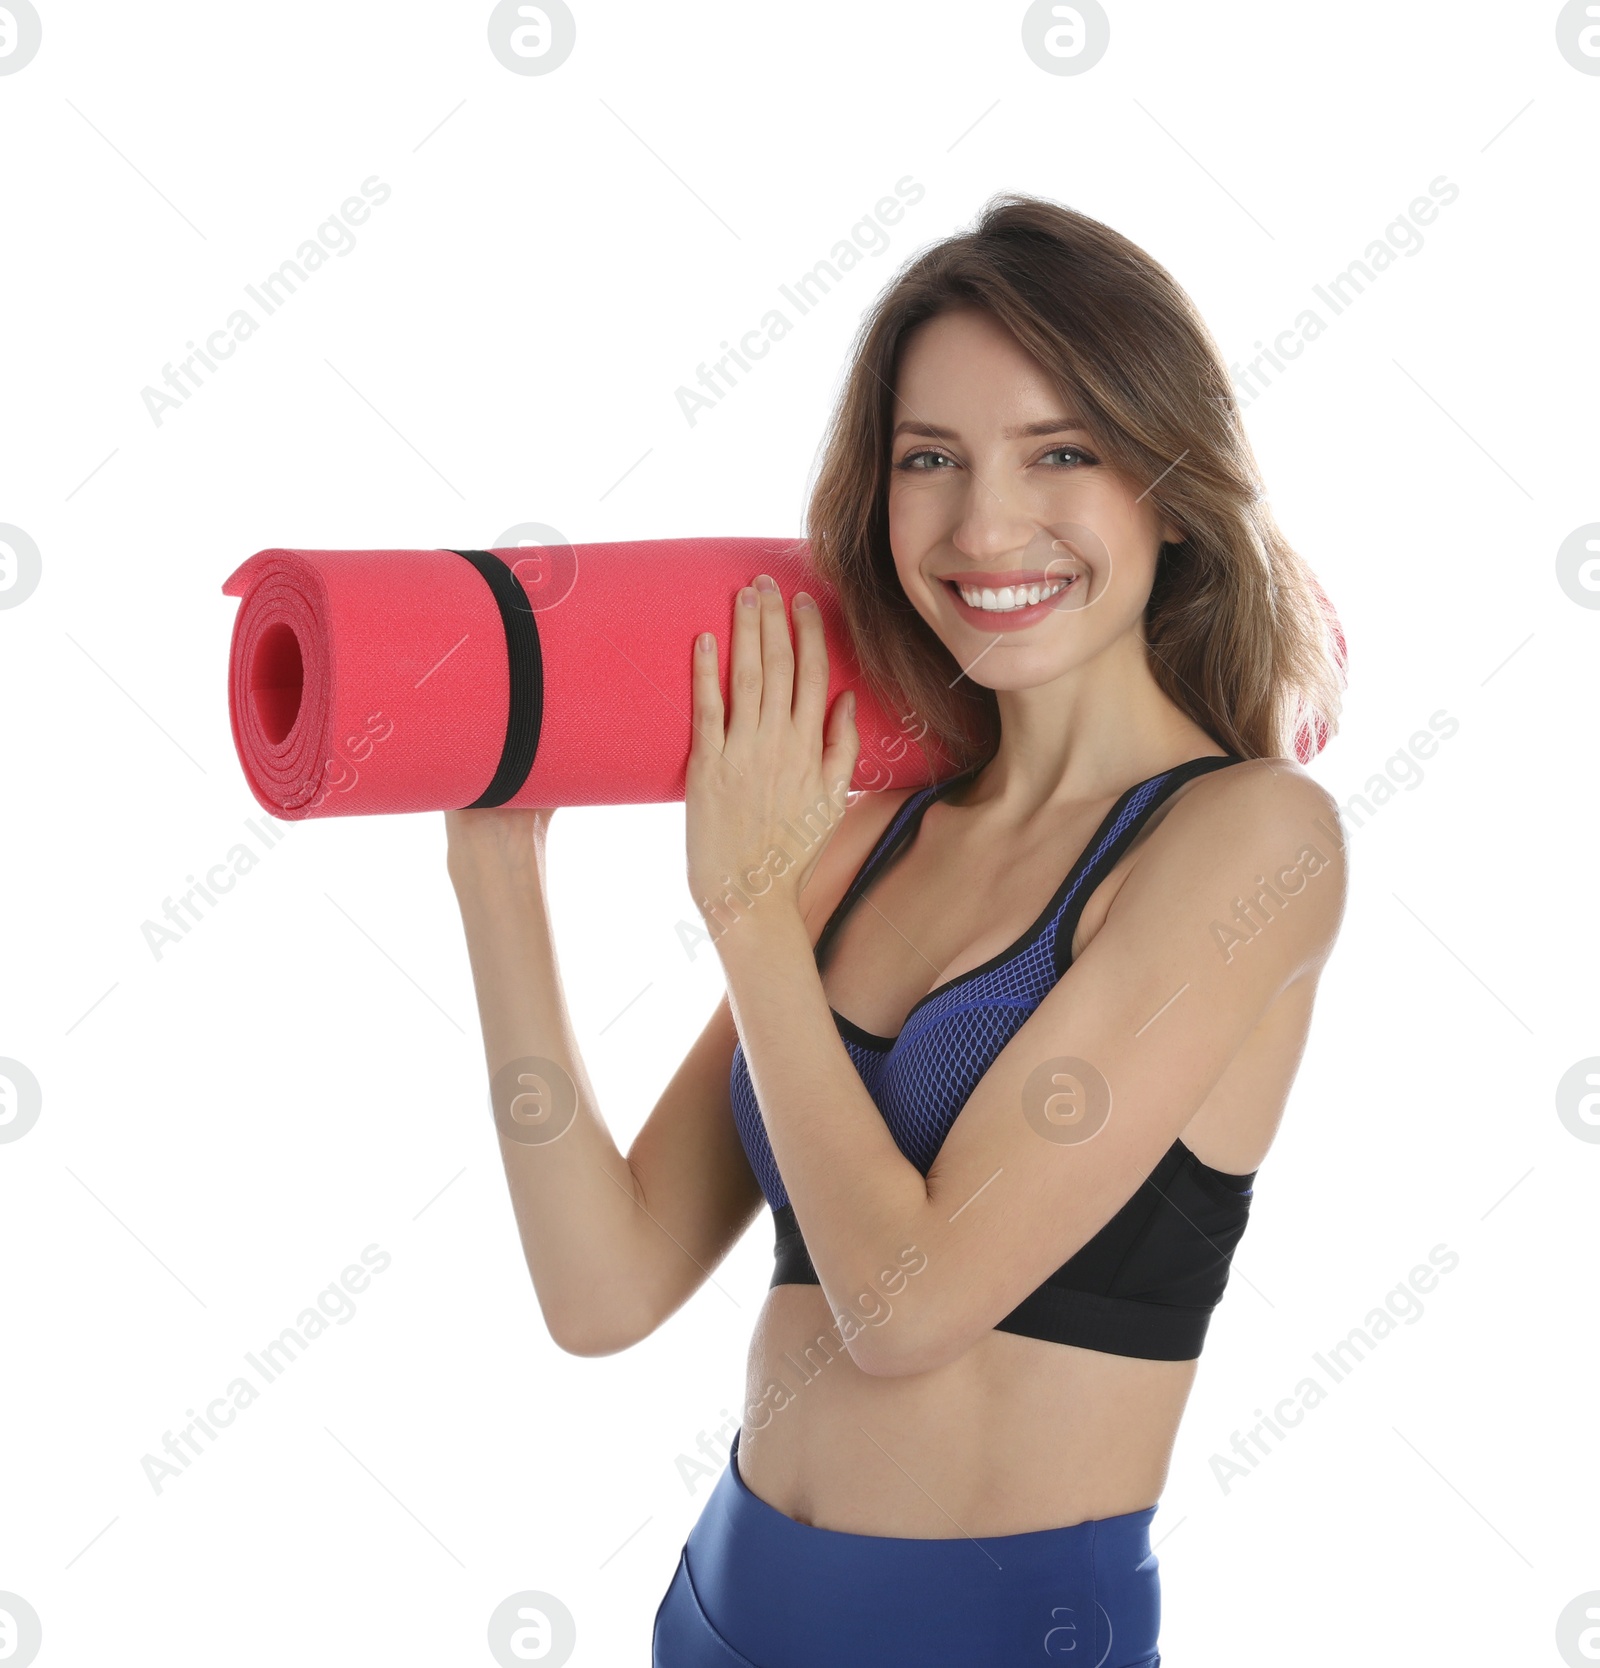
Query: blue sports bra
1146	1284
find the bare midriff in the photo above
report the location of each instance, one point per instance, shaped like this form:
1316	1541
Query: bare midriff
1016	1434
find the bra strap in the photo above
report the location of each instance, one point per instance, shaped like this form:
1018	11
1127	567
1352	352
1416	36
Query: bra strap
1120	829
910	807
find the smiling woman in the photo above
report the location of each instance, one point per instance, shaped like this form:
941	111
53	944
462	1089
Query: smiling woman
978	1055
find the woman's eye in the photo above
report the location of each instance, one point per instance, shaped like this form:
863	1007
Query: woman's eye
912	459
1076	452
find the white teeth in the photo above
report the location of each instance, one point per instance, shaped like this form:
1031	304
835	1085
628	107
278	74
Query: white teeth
1009	597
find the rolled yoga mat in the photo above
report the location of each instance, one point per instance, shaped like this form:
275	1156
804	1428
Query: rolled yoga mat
363	682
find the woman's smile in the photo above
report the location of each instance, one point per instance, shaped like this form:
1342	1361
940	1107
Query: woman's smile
1011	606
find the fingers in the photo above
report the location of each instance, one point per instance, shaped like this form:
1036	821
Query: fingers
811	669
744	672
775	679
843	749
706	698
777	655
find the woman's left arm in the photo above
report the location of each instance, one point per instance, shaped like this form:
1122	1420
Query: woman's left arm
1078	1108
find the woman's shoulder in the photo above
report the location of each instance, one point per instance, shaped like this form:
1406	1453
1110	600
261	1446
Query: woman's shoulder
1257	822
1267	796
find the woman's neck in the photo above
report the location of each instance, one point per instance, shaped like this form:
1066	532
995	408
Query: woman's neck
1090	733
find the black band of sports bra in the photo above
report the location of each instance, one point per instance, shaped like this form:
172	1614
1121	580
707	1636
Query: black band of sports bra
525	666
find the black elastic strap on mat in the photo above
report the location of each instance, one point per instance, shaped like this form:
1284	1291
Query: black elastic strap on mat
525	709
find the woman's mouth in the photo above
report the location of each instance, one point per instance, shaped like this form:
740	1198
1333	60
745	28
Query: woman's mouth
1009	606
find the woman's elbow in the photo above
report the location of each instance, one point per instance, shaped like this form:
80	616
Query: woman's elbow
898	1349
588	1343
594	1331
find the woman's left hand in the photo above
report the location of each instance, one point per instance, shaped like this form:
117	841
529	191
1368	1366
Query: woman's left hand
764	794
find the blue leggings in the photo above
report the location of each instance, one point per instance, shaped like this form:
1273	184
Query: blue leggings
753	1587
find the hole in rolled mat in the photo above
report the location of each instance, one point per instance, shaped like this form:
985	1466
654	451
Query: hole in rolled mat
277	680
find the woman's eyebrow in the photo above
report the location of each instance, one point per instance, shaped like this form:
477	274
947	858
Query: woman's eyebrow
1049	425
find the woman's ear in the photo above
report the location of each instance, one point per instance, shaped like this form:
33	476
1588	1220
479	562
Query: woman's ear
1172	534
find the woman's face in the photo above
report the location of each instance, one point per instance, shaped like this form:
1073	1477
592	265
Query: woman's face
995	484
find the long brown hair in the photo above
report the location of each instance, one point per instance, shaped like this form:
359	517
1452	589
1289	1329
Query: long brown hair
1240	636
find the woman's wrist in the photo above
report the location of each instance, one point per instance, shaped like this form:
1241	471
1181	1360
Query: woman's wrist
486	850
760	937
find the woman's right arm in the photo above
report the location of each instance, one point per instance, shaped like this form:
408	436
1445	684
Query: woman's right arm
614	1244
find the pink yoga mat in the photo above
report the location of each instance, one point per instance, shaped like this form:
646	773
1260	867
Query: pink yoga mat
371	681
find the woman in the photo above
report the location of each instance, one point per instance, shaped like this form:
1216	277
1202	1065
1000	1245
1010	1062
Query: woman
1020	1140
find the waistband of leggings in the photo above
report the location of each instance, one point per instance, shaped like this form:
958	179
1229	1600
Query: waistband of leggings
786	1594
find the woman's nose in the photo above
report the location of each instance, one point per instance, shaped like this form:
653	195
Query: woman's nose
992	521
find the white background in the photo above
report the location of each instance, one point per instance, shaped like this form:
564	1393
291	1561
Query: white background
226	1127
